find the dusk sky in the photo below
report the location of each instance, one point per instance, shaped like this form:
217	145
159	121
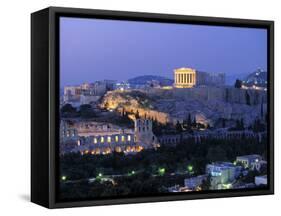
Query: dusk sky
95	49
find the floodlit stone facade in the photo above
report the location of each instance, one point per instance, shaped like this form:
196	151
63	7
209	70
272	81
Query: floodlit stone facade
106	139
184	78
188	78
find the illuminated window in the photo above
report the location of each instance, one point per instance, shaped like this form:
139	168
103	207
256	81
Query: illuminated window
118	149
129	138
123	138
95	140
116	138
109	139
102	139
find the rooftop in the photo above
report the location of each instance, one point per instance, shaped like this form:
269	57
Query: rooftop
253	156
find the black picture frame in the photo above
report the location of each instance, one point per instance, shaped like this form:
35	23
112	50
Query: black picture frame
45	102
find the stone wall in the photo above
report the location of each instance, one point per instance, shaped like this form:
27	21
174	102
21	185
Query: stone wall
224	94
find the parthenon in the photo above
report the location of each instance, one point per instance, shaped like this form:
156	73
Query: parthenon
184	78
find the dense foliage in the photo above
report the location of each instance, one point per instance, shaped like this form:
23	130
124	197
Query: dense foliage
150	171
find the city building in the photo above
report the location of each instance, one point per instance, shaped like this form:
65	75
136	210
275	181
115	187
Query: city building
109	84
88	99
143	133
261	180
153	84
67	133
194	182
71	94
188	78
251	161
170	139
198	136
178	189
210	79
87	93
222	174
100	138
106	144
122	86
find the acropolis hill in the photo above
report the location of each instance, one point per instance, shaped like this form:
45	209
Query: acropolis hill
207	104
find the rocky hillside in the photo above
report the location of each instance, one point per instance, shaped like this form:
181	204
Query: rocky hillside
172	107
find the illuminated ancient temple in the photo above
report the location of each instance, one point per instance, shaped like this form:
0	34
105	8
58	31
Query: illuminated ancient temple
184	78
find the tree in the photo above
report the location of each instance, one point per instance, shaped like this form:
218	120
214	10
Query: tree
86	111
123	112
216	154
248	100
262	112
206	183
194	121
106	104
179	127
68	111
223	122
237	126
188	120
238	83
242	127
137	115
226	95
250	177
68	108
258	126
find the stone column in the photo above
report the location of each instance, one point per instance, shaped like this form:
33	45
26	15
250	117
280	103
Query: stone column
193	79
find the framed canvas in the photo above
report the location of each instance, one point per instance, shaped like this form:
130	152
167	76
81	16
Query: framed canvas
139	107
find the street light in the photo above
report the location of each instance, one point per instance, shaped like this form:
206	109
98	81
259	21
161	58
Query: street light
161	171
190	168
63	178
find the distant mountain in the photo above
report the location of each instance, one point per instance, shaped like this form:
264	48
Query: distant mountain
258	78
143	80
